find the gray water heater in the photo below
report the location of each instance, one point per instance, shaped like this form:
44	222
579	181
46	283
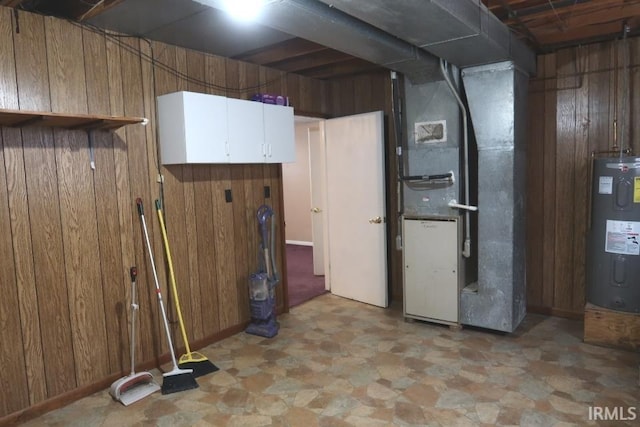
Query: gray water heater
613	245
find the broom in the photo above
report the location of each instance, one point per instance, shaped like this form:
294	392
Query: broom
177	379
191	359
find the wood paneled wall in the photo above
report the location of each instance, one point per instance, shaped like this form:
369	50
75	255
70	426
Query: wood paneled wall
68	234
574	100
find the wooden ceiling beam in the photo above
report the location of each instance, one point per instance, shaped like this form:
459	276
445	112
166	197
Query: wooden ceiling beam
497	7
555	7
619	14
11	3
599	15
582	34
528	15
532	37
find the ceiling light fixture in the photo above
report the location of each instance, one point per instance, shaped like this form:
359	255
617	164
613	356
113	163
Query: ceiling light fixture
244	10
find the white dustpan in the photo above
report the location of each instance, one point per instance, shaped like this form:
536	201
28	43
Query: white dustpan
134	386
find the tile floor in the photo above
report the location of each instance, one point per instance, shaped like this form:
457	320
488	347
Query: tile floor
337	362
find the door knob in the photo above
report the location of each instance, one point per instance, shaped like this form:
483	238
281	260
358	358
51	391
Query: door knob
376	220
316	210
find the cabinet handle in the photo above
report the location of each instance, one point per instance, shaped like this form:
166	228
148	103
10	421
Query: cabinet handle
226	147
264	150
269	150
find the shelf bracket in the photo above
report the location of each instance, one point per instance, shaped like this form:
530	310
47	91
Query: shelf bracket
92	160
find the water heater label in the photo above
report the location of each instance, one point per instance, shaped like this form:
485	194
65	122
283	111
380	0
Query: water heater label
636	190
623	237
605	185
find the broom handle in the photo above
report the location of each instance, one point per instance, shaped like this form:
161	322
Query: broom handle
172	277
157	283
133	272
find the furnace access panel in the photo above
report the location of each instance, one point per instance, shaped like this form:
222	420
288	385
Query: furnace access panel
431	269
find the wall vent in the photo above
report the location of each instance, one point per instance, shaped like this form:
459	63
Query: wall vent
431	132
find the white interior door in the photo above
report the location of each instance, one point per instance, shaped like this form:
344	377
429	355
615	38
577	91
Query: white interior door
318	197
356	208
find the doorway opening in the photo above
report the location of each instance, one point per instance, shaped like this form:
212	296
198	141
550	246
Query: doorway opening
302	209
334	197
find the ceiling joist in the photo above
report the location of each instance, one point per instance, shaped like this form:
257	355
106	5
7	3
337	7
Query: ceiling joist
549	24
11	3
546	25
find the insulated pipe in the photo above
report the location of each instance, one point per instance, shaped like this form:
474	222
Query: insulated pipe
396	113
625	87
455	204
466	249
443	176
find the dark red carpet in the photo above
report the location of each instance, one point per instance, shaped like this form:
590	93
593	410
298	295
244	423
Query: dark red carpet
303	285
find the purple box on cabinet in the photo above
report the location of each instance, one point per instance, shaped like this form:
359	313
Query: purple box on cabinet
268	98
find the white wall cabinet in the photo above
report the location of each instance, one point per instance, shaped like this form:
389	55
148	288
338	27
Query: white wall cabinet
201	128
279	134
192	128
246	131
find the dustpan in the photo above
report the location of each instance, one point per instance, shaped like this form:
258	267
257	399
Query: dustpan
135	386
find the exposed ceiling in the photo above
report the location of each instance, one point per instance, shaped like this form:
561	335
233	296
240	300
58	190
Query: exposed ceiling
545	25
548	25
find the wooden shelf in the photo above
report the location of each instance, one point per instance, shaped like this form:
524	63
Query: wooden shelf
19	118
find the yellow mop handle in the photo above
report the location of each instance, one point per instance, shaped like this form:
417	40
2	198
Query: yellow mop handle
174	289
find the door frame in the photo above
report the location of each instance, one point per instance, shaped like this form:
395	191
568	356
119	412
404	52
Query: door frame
320	123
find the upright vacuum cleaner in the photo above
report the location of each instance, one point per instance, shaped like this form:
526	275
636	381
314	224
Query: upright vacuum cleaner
262	284
134	386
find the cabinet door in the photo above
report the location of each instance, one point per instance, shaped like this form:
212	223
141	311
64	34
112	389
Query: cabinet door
279	134
246	131
206	128
192	128
431	269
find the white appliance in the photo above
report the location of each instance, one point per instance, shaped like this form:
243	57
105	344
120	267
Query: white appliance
431	259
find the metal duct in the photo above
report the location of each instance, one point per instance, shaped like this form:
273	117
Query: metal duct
497	97
462	32
429	102
402	35
325	25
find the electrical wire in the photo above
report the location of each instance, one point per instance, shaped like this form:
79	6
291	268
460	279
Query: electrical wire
116	37
561	27
165	67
